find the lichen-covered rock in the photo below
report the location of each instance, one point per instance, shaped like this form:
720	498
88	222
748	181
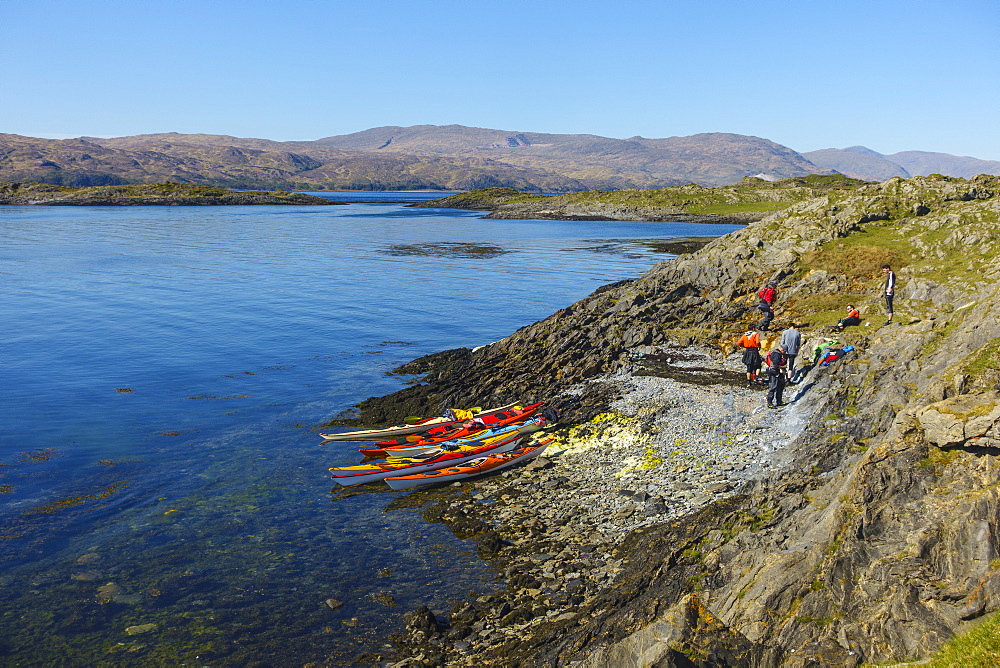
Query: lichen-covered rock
968	419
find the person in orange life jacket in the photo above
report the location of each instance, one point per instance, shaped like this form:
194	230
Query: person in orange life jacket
853	318
767	296
750	342
776	375
890	289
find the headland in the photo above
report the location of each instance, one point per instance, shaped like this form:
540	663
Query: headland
674	523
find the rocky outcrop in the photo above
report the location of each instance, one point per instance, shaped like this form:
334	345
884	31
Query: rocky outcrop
877	537
596	211
965	420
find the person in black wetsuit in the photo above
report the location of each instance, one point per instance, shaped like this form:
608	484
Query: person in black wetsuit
890	289
776	368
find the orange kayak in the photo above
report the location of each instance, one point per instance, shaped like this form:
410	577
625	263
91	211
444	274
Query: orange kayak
474	467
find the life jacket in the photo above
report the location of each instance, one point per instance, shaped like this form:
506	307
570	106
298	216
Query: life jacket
768	294
751	341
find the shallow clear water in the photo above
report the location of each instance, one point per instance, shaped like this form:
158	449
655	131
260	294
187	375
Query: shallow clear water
163	370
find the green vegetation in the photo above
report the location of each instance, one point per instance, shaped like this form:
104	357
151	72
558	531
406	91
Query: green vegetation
977	648
751	195
984	360
149	193
938	459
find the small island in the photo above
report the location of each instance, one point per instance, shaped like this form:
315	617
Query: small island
145	194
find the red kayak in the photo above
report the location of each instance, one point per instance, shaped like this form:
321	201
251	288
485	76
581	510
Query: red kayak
470	428
362	473
417	425
495	434
475	467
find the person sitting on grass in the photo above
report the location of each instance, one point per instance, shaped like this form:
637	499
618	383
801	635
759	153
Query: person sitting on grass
853	319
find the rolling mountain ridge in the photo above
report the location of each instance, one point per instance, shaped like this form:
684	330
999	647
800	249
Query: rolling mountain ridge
449	157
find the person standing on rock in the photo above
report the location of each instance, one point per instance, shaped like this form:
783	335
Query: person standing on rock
776	370
890	289
767	295
750	342
791	341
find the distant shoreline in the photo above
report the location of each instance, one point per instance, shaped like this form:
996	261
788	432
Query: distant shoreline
153	194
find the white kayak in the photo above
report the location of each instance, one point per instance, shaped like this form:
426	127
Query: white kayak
422	424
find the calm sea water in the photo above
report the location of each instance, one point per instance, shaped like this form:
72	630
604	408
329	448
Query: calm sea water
163	495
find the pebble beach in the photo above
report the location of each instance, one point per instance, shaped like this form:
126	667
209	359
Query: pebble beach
667	447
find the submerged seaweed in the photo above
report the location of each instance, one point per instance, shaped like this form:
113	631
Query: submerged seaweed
449	249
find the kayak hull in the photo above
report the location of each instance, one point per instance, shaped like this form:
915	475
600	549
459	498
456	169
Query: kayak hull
347	476
532	424
405	429
475	467
444	433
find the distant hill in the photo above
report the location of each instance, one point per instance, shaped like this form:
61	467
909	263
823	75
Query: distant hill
857	162
863	163
448	157
253	163
923	163
599	162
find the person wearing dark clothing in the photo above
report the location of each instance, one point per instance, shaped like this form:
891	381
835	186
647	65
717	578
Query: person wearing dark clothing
750	342
767	296
791	341
890	289
852	320
776	375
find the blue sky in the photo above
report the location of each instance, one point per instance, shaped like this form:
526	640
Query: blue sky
891	75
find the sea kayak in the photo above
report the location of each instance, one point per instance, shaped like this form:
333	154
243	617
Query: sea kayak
474	467
531	424
467	428
450	418
362	473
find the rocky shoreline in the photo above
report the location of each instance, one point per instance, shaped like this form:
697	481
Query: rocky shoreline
685	431
858	530
634	214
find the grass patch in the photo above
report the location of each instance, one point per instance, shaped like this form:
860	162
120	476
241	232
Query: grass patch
856	256
984	360
744	207
977	647
938	459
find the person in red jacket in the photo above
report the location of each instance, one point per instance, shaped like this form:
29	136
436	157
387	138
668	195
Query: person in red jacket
750	342
767	295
